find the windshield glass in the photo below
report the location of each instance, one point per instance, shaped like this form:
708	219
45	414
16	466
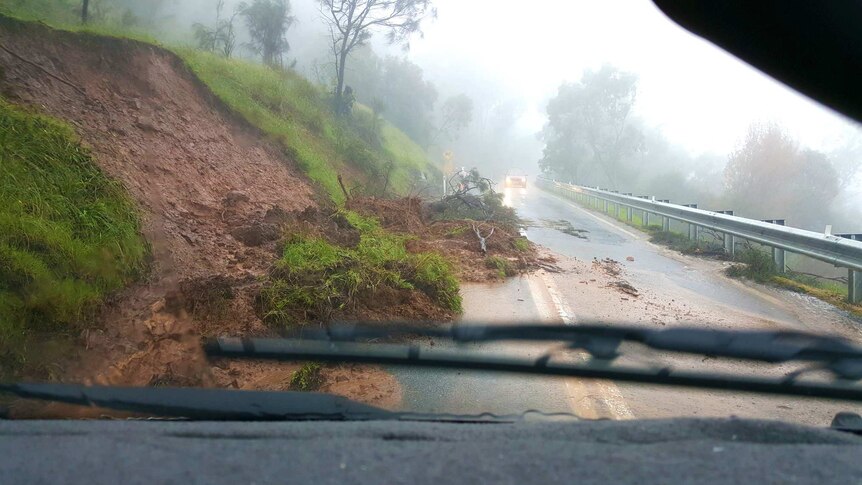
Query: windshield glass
172	172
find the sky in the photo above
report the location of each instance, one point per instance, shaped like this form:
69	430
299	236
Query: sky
701	97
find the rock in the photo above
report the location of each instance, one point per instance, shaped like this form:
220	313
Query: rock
257	234
630	258
276	215
147	124
234	197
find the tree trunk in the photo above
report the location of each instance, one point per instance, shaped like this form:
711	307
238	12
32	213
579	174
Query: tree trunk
85	11
339	89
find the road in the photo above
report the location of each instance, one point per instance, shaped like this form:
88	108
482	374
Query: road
672	289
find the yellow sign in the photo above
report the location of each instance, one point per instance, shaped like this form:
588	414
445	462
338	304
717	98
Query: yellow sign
448	155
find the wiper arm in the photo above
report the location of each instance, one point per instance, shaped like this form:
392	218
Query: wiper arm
204	404
603	341
839	354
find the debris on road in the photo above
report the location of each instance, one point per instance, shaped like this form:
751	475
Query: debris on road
625	287
565	227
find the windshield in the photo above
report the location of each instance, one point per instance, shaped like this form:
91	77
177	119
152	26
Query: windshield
177	172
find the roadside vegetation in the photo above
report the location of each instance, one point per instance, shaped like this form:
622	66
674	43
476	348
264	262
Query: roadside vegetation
685	245
315	278
69	236
757	265
749	263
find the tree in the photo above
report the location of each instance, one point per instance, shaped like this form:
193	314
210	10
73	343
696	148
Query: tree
85	11
589	125
351	23
221	38
456	114
268	22
770	176
401	84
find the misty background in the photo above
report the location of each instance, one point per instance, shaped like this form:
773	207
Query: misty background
485	78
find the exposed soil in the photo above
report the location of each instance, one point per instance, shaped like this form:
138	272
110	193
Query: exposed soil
214	197
455	239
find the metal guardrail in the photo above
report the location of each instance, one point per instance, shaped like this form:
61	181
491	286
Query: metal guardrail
835	249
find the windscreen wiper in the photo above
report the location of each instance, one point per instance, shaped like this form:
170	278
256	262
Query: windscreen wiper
836	355
602	341
205	404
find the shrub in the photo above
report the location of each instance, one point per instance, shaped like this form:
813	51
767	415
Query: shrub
753	264
314	277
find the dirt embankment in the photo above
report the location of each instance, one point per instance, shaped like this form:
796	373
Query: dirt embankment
214	196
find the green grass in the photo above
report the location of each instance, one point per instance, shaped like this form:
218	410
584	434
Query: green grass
68	235
282	104
683	244
522	244
753	264
307	378
314	278
296	114
502	266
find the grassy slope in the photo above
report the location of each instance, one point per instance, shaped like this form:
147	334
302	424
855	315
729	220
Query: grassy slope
284	105
68	235
296	114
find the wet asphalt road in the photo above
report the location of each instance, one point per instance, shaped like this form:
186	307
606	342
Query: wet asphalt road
470	392
654	270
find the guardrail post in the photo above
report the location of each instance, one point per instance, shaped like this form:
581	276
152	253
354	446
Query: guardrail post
729	239
854	279
692	228
778	254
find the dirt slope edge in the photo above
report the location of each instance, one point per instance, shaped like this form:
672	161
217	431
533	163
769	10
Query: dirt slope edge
204	182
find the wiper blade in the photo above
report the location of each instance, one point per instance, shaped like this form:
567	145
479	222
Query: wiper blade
414	355
204	404
603	341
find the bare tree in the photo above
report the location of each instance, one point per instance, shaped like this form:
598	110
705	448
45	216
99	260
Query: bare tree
770	176
221	38
351	23
268	22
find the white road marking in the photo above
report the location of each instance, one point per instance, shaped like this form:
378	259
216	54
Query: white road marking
609	393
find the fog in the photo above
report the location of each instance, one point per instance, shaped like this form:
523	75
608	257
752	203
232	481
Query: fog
694	103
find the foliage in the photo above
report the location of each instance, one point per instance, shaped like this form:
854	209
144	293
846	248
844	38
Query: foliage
351	23
502	266
753	264
471	196
522	244
589	128
68	235
684	244
268	22
409	98
315	278
456	114
221	38
800	183
307	378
